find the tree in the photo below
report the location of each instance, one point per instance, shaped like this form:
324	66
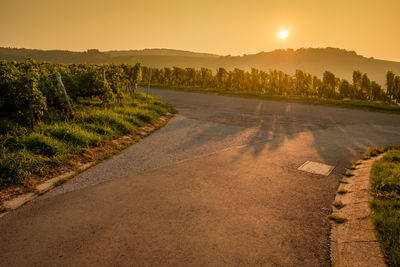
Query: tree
390	85
365	87
178	76
376	92
206	77
345	89
396	88
254	80
222	77
167	76
299	82
329	84
317	86
238	79
357	76
190	76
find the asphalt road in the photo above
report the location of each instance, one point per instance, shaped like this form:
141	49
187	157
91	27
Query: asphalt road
217	186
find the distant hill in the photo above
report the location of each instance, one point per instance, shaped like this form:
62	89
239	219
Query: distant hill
314	60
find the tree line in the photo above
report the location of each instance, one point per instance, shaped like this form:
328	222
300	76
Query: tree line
275	82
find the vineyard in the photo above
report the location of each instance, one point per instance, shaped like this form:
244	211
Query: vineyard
50	113
278	83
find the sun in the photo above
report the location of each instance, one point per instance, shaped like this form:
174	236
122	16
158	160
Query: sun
283	34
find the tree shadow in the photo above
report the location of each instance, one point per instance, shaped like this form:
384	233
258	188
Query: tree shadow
340	135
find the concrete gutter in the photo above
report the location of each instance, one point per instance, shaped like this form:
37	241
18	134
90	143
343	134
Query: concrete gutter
353	242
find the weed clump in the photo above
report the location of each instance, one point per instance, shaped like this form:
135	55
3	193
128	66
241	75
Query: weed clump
342	191
348	173
337	218
373	152
338	204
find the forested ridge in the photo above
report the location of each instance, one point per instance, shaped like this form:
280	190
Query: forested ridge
312	60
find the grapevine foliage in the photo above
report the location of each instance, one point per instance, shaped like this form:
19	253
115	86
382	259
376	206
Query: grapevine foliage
28	89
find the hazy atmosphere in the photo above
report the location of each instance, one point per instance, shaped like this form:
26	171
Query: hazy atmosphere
222	27
200	133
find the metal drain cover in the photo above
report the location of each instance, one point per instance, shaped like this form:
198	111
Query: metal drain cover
316	168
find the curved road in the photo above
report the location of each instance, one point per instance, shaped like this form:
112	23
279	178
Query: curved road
217	186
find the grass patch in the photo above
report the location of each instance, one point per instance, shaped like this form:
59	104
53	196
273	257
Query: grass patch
110	119
25	153
385	182
385	178
352	167
338	204
44	145
146	115
343	191
392	155
73	134
348	174
17	167
103	130
372	152
343	181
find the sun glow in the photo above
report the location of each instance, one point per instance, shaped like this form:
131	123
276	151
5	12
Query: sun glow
283	34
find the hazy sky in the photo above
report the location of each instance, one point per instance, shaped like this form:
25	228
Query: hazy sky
370	27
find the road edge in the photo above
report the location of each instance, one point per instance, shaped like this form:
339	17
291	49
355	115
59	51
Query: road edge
50	184
353	241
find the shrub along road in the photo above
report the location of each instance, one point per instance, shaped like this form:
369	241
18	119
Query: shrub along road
218	185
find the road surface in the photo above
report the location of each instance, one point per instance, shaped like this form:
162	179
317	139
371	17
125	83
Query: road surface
218	186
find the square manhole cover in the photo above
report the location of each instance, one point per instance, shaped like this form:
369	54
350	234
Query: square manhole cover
316	168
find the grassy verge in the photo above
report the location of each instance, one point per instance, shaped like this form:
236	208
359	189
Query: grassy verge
385	181
346	103
26	153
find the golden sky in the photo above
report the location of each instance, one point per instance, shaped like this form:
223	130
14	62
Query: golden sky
370	27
